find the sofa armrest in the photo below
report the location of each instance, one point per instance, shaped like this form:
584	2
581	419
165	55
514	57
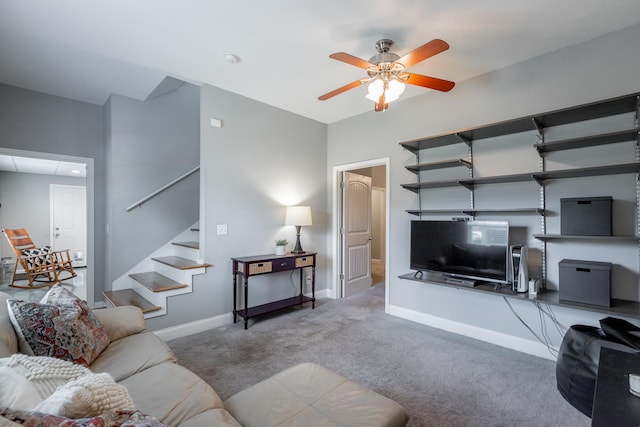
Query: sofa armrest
122	321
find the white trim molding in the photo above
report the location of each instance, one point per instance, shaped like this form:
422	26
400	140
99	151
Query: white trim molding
202	325
334	290
508	341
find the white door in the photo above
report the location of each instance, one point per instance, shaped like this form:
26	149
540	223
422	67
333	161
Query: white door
357	233
68	221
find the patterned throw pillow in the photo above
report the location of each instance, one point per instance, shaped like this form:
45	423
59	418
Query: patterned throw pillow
60	326
108	419
59	295
42	259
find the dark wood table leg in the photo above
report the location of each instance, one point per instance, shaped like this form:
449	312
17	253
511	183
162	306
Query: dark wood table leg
246	301
301	281
313	286
235	293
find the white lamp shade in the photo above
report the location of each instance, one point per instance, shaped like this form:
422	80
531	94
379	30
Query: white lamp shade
298	215
396	88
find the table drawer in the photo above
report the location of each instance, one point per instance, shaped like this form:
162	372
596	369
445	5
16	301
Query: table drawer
283	264
260	267
304	261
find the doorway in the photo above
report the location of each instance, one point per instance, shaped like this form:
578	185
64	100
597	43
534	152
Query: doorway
42	159
376	251
68	219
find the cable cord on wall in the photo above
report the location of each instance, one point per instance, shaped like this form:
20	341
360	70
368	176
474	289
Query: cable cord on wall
560	328
292	282
544	339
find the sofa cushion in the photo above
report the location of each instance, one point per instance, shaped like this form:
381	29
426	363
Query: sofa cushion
67	332
120	322
309	394
129	355
171	393
218	417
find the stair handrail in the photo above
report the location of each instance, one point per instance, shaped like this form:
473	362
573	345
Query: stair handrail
140	202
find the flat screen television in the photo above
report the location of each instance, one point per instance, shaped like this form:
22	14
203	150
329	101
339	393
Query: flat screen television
471	250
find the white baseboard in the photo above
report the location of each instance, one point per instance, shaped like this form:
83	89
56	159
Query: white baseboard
320	294
504	340
194	327
202	325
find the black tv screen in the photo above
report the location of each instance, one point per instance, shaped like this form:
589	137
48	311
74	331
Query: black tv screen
465	249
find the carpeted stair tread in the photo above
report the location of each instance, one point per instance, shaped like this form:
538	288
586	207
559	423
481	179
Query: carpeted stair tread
179	262
191	245
130	297
156	282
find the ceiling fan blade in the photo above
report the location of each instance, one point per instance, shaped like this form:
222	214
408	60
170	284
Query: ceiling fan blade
430	82
340	90
351	60
425	51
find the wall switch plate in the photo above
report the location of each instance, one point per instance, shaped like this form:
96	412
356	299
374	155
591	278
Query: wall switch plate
222	229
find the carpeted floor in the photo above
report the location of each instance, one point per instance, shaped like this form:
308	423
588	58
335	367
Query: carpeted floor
442	379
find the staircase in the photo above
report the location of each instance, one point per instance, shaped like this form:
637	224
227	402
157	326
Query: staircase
168	272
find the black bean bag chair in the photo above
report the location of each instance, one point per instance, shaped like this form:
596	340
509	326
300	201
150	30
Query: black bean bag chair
579	354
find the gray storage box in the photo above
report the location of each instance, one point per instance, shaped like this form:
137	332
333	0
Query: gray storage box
585	282
589	216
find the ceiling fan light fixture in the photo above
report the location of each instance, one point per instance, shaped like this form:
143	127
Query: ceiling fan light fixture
375	89
392	89
395	89
386	72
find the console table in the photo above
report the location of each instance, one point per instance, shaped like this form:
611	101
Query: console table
267	264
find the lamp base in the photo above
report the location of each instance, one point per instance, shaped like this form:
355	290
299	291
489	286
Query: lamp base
298	248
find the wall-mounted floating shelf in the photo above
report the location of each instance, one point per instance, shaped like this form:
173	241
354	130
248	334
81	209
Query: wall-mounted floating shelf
630	239
439	165
536	125
587	141
538	177
473	212
618	307
595	110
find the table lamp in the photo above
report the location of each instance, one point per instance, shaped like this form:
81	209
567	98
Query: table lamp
298	216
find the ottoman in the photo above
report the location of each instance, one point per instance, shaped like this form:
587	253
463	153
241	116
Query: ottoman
309	394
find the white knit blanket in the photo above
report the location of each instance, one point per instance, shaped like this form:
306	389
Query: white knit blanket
69	389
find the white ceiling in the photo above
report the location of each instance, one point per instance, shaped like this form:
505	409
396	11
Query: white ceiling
87	50
41	166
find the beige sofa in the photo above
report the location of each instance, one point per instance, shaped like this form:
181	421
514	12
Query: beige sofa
304	395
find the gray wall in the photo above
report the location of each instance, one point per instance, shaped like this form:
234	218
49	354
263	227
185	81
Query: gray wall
42	123
602	68
261	160
149	144
26	204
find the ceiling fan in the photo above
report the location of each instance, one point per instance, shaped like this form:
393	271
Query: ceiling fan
387	75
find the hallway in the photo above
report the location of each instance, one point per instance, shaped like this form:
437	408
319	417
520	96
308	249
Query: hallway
77	285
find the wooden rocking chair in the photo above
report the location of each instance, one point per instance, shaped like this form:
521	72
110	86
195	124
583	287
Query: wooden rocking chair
41	265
